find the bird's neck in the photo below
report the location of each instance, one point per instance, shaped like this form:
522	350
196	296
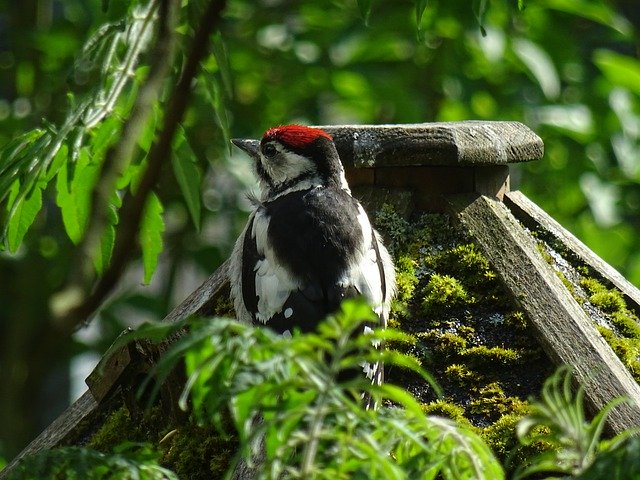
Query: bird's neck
298	184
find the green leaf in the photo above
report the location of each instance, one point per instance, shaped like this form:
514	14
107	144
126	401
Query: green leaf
219	107
24	213
365	9
60	158
151	229
108	237
619	69
599	12
145	140
74	195
222	59
421	6
188	176
479	9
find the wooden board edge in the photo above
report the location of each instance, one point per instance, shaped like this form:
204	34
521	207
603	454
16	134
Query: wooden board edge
553	312
533	216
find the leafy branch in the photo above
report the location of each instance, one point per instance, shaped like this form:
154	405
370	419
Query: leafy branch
135	203
31	161
296	403
575	441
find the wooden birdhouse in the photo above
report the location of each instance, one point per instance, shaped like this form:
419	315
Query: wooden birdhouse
459	170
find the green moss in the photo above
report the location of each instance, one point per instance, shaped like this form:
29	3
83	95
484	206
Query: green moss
483	355
223	307
470	336
626	323
193	452
461	374
445	343
492	402
406	281
446	409
516	319
443	291
199	453
395	229
626	349
608	301
501	435
566	282
545	254
117	427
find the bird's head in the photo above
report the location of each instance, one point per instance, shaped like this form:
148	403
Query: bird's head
292	157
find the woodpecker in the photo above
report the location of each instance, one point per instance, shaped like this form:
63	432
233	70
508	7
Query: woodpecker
308	244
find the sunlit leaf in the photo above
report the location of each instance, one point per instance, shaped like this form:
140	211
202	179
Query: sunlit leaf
539	63
74	194
25	213
59	160
421	6
620	69
599	12
185	168
479	10
151	229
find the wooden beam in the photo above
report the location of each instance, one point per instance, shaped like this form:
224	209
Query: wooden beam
55	433
468	143
105	383
534	217
563	329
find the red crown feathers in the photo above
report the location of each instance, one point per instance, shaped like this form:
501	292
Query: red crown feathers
295	135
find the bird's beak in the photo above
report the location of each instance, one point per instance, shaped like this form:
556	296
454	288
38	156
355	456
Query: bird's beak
252	147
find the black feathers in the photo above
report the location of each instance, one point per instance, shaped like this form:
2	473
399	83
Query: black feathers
313	235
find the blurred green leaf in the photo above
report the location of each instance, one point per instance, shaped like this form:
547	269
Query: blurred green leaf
421	5
26	209
599	12
107	240
188	176
619	69
540	65
219	108
151	229
365	9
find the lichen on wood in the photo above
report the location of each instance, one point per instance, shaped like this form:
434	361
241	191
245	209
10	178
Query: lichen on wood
469	334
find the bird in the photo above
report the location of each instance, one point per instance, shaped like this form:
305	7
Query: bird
308	243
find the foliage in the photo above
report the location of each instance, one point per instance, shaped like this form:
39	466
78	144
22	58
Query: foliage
566	69
130	462
298	403
576	442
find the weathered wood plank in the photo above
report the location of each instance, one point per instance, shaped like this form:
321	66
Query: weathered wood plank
534	217
79	411
563	329
201	300
441	143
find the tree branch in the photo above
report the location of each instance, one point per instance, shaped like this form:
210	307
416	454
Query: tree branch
133	204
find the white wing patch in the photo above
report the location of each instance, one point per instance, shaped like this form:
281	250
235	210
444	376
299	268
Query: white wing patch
274	284
365	273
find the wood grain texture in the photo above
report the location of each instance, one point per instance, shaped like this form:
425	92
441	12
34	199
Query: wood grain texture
442	143
201	301
55	433
534	217
564	331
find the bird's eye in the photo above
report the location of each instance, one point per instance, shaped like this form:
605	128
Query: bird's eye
269	150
